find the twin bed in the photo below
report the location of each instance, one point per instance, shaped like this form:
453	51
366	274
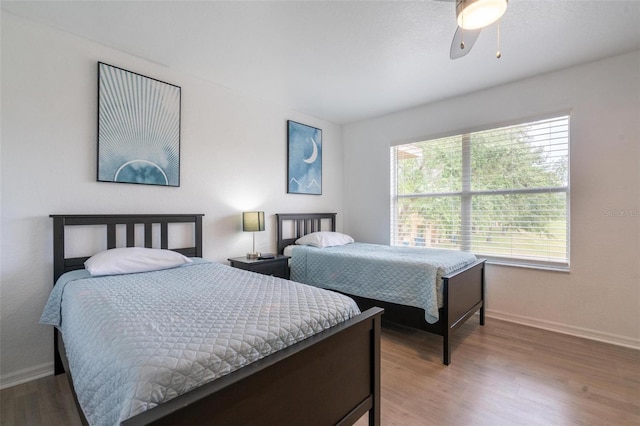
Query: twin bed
204	343
434	290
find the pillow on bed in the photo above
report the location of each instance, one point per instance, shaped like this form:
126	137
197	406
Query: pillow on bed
133	259
324	239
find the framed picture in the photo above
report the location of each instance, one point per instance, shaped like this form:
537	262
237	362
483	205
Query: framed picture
138	128
304	154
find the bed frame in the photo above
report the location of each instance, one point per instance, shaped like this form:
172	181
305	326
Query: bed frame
330	378
463	289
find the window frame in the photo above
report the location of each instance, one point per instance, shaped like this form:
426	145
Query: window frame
466	194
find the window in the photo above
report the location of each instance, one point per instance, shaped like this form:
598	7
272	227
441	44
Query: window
502	194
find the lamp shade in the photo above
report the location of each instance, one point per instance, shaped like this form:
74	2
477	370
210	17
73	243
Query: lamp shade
252	221
475	14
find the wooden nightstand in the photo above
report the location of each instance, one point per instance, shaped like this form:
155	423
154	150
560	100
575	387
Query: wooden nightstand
278	266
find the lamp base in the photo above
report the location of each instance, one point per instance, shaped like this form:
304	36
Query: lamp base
253	255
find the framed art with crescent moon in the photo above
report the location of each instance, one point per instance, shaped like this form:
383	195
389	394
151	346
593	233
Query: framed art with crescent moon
138	128
304	154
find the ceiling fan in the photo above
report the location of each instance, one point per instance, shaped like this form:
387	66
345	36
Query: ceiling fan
472	16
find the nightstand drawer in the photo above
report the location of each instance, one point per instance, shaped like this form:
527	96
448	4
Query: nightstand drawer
278	266
277	269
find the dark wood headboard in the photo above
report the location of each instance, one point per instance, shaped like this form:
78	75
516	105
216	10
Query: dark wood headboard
62	264
303	224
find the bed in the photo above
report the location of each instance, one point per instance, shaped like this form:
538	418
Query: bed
462	289
331	377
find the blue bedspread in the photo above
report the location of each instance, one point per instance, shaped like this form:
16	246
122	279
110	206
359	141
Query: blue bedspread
134	341
403	275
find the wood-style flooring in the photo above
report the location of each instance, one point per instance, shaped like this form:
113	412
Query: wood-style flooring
501	374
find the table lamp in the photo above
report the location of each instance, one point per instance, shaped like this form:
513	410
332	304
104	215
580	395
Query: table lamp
253	222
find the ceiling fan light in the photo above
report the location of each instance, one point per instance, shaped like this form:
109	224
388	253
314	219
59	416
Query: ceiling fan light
475	14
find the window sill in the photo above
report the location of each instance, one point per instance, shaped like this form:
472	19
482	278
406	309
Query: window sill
523	264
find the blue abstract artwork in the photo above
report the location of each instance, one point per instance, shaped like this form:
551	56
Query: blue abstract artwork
138	128
305	159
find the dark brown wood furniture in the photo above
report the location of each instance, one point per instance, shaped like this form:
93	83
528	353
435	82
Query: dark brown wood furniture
330	378
278	266
463	289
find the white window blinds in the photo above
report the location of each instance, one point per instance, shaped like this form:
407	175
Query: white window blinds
501	193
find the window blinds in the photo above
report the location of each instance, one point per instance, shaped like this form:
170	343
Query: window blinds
501	193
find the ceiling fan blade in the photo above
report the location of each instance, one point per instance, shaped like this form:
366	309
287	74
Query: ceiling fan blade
469	38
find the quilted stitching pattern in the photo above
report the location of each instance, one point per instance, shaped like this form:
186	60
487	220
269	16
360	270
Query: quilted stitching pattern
135	341
402	275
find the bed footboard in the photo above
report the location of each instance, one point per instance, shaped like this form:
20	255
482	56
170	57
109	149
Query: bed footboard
463	296
332	378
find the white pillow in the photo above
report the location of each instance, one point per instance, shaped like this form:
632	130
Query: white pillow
324	239
288	250
133	259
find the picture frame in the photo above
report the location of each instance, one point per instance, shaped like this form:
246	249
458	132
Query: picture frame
304	159
138	128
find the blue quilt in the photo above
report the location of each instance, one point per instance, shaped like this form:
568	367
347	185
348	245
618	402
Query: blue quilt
403	275
135	341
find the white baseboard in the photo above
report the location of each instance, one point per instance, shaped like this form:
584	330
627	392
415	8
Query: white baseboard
26	375
567	329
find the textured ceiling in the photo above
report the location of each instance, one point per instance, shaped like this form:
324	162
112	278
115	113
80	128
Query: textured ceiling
346	61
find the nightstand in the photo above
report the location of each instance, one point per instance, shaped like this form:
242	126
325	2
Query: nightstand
278	266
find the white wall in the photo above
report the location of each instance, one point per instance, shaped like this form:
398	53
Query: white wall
233	158
600	297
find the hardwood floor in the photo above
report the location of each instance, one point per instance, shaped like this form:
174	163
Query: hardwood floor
501	374
46	401
506	374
